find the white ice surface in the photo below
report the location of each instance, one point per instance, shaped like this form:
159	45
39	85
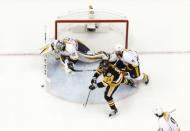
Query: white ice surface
75	86
154	26
25	106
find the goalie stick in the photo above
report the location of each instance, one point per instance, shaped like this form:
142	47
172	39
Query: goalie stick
45	57
47	80
75	70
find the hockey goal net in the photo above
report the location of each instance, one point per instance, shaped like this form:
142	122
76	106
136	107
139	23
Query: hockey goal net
111	29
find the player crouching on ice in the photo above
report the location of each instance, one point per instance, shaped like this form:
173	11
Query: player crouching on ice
165	121
112	78
128	62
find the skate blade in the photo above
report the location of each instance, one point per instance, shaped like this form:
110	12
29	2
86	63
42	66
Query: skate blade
113	116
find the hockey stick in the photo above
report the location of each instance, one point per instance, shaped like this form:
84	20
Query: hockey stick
173	110
75	70
85	104
45	57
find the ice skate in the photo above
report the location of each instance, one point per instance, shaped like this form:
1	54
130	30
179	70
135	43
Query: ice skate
131	83
113	113
146	79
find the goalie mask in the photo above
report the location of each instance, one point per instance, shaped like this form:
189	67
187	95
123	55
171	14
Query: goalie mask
58	45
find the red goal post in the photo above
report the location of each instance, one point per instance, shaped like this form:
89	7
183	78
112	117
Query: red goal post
126	22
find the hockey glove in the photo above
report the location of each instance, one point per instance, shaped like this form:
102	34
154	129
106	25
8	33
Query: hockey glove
93	81
71	66
92	87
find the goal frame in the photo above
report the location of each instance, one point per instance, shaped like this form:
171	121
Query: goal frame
96	21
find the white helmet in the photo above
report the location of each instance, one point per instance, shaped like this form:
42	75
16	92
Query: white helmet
118	48
158	111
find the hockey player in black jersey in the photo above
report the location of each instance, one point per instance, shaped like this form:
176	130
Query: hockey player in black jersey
112	78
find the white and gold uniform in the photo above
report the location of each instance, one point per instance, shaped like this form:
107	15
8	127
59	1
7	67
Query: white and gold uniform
167	123
128	61
65	51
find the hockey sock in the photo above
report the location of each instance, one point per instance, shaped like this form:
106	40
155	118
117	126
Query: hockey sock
112	105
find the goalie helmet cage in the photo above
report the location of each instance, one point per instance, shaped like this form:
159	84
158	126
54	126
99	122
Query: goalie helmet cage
107	24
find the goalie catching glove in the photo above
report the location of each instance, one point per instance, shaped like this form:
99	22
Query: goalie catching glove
71	65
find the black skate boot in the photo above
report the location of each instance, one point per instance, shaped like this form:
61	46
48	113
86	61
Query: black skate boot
113	112
131	83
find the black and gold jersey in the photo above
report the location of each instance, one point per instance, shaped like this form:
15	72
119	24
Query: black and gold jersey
111	77
133	71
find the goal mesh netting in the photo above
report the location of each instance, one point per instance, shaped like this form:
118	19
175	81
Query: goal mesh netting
111	29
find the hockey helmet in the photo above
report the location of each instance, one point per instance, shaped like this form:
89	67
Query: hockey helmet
104	65
118	48
58	45
158	111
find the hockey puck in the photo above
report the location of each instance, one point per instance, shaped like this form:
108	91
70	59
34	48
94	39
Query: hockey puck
42	85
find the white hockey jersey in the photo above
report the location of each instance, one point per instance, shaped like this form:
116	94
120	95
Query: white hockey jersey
167	123
128	57
71	47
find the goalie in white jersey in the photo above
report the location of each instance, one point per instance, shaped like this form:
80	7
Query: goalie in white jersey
128	61
67	52
165	121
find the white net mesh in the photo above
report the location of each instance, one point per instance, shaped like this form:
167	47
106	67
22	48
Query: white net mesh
97	14
109	29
